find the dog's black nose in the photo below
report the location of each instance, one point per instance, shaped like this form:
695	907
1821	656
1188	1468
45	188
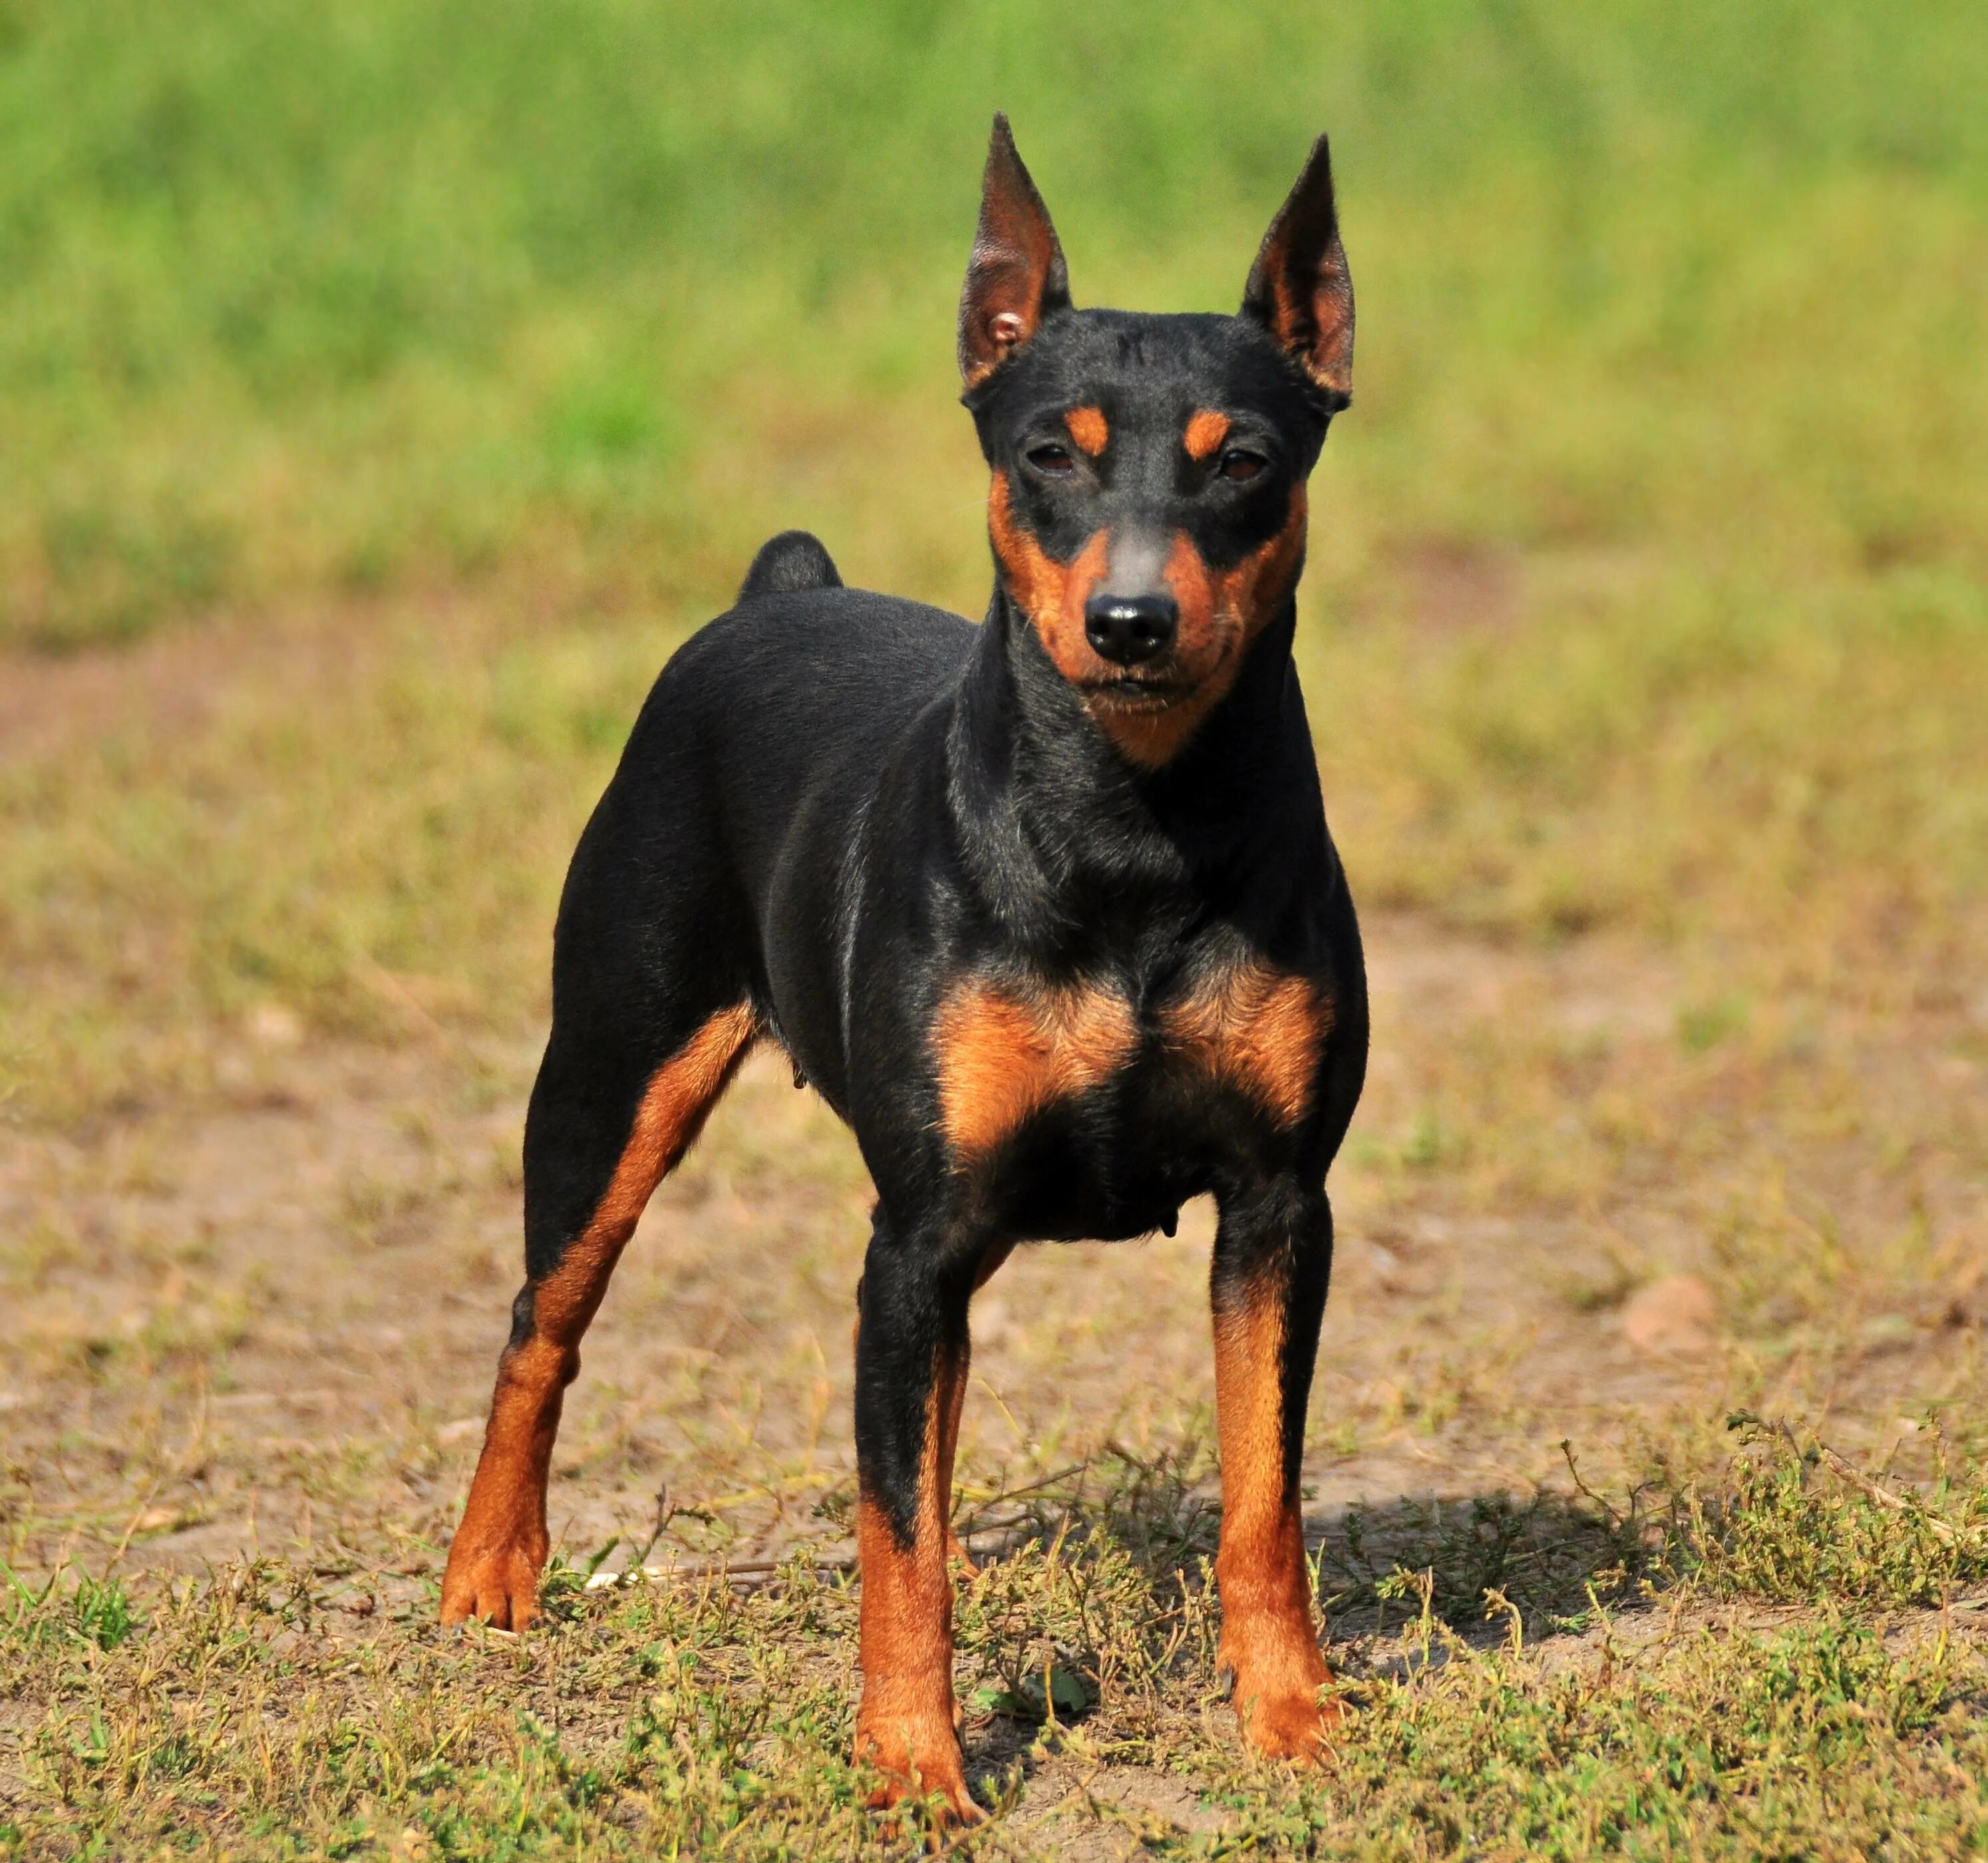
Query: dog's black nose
1128	629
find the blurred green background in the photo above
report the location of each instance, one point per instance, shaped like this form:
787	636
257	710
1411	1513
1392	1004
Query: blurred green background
298	297
1647	577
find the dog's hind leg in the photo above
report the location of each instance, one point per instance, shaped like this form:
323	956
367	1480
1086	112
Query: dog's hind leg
604	1128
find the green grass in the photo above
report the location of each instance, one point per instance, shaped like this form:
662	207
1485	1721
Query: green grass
300	299
690	1719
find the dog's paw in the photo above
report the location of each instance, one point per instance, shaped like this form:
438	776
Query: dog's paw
918	1756
497	1583
1291	1724
1277	1671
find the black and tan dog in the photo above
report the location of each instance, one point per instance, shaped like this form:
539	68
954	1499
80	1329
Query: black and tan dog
1045	909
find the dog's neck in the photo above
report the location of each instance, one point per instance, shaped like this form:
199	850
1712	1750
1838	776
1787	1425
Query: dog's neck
1059	831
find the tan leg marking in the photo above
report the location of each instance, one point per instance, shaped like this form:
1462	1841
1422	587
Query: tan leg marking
948	1445
1268	1640
1256	1030
1004	1054
990	1266
1206	429
906	1724
500	1550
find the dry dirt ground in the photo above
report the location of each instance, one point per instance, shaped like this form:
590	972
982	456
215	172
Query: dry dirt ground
1589	1201
269	1324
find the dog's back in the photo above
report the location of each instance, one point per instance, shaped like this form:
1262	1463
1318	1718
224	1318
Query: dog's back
730	816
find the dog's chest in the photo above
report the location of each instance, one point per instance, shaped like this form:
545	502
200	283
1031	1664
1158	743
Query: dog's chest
1091	1080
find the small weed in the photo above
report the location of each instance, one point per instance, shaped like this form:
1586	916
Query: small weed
96	1611
1795	1524
1703	1026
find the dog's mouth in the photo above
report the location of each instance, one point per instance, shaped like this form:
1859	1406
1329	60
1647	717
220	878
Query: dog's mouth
1148	692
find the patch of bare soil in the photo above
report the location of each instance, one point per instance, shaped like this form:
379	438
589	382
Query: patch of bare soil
270	1324
173	683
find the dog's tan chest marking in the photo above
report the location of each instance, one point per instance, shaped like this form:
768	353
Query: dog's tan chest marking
1256	1030
1004	1052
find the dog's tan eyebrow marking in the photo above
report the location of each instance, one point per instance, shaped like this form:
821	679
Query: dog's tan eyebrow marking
1088	429
1206	429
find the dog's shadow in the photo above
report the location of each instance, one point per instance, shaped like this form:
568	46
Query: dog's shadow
1481	1564
1477	1565
1460	1559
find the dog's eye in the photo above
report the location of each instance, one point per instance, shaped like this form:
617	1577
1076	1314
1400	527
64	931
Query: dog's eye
1053	460
1238	464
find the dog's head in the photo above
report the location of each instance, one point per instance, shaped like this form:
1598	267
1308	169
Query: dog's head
1148	508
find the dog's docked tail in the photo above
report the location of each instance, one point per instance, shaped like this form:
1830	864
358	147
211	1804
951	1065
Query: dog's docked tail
786	564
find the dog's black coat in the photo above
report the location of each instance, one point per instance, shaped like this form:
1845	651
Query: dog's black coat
835	803
837	806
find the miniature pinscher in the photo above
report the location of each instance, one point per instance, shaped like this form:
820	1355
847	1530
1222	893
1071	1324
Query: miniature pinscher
1045	909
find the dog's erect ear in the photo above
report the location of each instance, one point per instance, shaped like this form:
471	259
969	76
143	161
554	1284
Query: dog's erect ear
1299	289
1017	275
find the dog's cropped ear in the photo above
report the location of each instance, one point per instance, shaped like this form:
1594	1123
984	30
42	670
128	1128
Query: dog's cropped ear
1300	288
1017	275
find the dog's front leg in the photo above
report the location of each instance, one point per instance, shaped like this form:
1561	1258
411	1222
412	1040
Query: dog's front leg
1273	1258
910	1371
